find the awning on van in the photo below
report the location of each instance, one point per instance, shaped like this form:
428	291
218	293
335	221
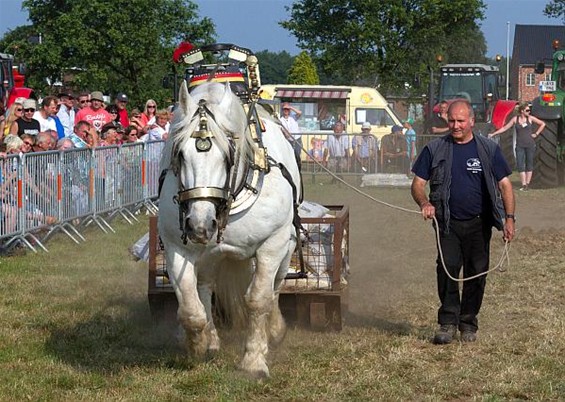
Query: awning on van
313	93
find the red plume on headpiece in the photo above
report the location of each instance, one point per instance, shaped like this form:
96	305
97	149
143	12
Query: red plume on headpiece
181	50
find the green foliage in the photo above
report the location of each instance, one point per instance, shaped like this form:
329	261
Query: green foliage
303	71
107	45
555	9
274	66
387	42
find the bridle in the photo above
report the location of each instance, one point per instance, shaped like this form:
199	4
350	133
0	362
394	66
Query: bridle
221	197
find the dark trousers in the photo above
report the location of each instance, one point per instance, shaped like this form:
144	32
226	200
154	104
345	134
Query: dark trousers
467	245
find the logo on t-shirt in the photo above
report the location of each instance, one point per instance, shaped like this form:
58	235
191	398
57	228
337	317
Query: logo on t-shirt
474	165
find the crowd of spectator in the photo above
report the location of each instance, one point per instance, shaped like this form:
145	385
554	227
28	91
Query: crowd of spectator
66	121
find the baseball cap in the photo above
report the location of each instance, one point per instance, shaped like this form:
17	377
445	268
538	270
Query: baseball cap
409	121
29	104
366	125
122	97
65	94
97	95
396	128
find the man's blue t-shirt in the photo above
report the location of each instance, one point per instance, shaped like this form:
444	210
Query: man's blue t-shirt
468	192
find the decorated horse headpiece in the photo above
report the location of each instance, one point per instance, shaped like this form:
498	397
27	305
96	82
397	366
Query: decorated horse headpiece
233	64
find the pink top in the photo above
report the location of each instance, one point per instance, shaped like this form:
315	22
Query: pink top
95	117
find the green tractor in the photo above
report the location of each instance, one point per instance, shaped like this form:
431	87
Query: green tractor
549	163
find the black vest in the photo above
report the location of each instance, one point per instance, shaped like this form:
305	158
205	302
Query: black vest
441	151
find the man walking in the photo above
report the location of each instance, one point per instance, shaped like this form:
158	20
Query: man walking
470	192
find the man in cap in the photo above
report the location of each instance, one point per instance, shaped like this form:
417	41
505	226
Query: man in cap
94	114
289	118
26	124
121	102
66	112
364	150
393	152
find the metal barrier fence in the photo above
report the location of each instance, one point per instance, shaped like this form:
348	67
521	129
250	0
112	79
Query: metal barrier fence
364	155
46	192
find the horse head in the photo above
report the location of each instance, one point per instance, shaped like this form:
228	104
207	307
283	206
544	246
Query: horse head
207	123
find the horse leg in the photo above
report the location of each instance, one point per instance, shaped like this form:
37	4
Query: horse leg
277	324
260	299
205	293
191	312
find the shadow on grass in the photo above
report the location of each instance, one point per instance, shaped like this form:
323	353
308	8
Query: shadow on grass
390	327
110	341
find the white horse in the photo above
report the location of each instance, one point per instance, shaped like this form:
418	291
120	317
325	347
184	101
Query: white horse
242	257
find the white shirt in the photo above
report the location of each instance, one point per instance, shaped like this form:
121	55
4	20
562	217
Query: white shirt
292	126
45	124
67	119
155	134
338	145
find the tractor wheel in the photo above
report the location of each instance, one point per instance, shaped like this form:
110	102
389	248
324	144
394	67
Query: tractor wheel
548	171
507	146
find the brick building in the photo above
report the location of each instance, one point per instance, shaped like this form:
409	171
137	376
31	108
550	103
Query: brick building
532	43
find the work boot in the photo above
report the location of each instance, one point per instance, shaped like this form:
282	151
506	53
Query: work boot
445	334
468	336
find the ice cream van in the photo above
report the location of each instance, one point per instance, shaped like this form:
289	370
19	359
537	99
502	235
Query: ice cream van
321	106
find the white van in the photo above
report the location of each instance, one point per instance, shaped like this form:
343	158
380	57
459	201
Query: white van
323	105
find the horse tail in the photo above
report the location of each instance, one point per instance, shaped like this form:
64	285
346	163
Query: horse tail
232	280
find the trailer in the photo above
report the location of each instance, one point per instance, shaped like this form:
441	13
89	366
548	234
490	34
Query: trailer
314	294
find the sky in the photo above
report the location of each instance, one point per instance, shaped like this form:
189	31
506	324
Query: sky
254	23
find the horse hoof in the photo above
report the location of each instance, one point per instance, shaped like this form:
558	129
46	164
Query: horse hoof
258	374
211	354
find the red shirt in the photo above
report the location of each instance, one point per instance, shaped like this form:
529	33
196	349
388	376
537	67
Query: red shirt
124	119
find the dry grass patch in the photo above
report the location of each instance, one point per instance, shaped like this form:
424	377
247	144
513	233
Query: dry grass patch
76	325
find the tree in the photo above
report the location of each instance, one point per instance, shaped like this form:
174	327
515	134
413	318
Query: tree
389	41
274	66
303	71
108	45
555	9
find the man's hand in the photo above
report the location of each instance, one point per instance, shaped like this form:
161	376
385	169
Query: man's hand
428	210
509	230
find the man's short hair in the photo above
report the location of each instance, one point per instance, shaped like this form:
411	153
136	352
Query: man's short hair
467	104
48	100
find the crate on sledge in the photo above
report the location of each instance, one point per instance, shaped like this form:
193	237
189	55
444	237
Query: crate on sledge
314	297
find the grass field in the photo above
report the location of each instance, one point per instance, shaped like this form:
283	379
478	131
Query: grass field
76	327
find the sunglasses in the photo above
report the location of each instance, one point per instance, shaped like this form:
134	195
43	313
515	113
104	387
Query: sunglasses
151	107
28	143
19	110
527	110
29	110
83	101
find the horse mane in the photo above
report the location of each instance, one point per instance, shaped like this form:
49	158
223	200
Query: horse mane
227	119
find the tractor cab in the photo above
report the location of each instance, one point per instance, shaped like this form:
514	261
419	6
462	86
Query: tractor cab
476	83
